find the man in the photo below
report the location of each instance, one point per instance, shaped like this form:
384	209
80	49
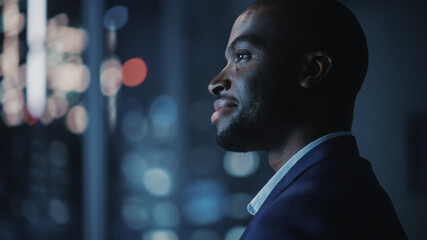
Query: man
293	70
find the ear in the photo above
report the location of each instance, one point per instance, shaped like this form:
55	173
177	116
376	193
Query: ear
316	66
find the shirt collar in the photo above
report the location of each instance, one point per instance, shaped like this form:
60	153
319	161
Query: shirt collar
259	199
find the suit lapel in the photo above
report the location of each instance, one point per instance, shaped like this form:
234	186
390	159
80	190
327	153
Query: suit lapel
345	145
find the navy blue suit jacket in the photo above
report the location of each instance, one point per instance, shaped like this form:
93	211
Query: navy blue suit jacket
330	193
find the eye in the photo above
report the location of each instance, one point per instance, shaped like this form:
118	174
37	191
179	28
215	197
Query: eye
243	56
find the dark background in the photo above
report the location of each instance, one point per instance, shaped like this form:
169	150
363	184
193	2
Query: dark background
164	177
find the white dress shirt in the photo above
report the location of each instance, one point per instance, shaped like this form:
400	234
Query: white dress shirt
259	199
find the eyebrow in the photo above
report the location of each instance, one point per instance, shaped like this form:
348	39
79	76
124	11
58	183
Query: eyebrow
249	38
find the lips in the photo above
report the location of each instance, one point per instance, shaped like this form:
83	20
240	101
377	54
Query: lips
223	106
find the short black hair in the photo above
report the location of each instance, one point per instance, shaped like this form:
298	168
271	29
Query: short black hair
321	25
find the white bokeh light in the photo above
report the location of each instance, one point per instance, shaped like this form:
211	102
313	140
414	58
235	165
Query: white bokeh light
157	182
241	164
160	235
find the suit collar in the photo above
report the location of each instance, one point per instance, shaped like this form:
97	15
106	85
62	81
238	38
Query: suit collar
339	146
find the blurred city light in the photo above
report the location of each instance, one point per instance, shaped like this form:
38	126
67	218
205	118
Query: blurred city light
134	213
160	235
28	118
204	202
134	72
166	214
163	111
77	119
115	18
57	105
69	77
133	166
36	58
111	77
241	164
157	181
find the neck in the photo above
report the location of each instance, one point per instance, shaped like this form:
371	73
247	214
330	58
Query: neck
294	141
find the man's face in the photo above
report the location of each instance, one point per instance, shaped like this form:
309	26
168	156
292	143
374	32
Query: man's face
247	88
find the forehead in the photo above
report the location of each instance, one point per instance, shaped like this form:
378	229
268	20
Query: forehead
250	22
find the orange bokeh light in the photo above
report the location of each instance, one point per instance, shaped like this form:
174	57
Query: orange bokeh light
134	72
30	120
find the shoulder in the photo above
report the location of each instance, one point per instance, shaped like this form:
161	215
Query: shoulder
335	198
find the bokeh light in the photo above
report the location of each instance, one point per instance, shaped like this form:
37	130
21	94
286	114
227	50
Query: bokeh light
163	114
30	120
115	18
134	213
13	20
241	164
68	77
13	101
10	59
238	203
134	126
111	77
163	111
58	211
166	214
157	181
62	38
204	202
57	105
234	233
160	235
134	72
133	166
77	119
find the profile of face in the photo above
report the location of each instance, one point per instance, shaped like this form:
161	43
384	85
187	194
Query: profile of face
247	105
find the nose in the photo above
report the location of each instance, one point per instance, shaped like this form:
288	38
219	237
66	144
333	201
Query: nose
219	84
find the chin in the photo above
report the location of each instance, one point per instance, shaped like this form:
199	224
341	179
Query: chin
239	137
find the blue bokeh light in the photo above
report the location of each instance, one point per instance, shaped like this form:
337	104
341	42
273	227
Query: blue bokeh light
116	17
205	202
163	111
